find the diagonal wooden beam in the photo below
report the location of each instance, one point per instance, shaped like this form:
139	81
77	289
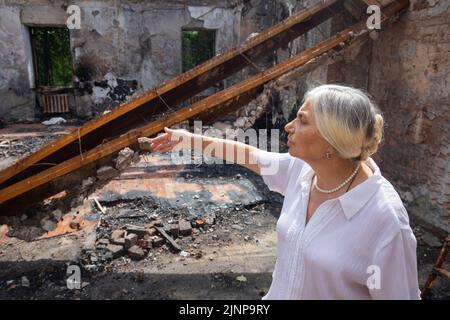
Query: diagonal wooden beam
211	102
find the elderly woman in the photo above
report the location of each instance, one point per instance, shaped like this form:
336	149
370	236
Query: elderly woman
343	232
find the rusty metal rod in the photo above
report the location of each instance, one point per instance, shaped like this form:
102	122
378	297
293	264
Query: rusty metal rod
437	269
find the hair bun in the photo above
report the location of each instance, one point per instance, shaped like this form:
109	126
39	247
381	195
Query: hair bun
374	141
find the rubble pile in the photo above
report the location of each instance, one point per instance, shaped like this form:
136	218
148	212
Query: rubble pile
142	231
136	241
23	146
35	224
20	142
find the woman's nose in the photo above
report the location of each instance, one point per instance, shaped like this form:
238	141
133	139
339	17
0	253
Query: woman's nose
288	127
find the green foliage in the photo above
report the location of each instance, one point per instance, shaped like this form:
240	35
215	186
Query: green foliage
52	56
197	47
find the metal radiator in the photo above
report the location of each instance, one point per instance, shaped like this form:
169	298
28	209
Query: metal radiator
55	103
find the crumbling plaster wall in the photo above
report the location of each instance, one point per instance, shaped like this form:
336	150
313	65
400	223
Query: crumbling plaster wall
141	41
17	98
123	47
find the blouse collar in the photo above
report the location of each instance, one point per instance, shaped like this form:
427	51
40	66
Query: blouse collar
353	200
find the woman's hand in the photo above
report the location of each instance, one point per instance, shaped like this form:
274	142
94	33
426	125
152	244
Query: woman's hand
168	140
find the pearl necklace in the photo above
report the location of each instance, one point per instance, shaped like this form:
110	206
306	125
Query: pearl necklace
339	186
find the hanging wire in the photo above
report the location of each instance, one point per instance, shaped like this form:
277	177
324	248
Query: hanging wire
251	62
164	101
79	144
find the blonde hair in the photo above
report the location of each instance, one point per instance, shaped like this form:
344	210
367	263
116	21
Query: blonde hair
347	119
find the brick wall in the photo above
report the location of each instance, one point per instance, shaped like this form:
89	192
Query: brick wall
409	76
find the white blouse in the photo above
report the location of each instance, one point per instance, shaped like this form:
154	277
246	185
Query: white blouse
356	246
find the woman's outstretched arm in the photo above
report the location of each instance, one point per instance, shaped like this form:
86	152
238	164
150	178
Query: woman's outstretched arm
228	150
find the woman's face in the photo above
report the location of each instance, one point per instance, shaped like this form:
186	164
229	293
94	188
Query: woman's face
304	140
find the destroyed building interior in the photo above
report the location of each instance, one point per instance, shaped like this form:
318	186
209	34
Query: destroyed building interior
80	186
